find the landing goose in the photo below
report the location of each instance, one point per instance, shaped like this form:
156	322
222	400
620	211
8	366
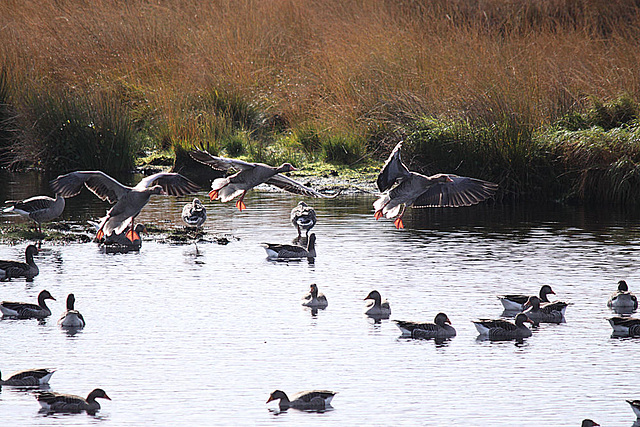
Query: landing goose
548	313
277	251
39	209
194	214
24	310
72	317
303	217
516	302
625	326
315	399
29	378
248	176
635	405
622	298
13	269
58	402
441	328
420	191
129	201
314	299
504	330
589	423
377	307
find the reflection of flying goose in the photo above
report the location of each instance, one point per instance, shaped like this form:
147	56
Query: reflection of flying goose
502	329
72	317
24	310
194	214
58	402
39	209
622	298
548	313
248	176
28	269
278	251
441	328
420	191
303	217
515	302
315	399
29	378
377	307
129	201
315	299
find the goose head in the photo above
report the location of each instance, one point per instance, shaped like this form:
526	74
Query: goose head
313	290
97	393
286	167
622	286
278	395
156	189
546	290
374	295
533	301
31	251
441	319
71	300
442	178
44	295
197	204
521	318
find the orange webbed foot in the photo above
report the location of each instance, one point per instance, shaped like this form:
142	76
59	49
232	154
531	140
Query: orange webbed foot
213	194
378	214
100	235
398	223
132	236
240	205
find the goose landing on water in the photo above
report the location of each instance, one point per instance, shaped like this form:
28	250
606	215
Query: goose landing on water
14	269
315	399
24	310
29	378
39	209
277	251
70	403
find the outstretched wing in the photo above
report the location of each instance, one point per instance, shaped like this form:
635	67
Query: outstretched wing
220	163
101	184
173	184
288	184
461	191
393	170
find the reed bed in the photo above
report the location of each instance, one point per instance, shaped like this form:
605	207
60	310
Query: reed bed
334	80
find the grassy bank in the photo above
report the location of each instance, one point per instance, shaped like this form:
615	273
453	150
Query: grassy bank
492	89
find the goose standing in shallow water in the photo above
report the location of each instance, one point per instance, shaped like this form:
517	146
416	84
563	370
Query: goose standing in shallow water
277	251
70	403
420	191
516	302
315	399
28	269
314	299
303	217
24	310
194	214
622	299
129	201
248	176
72	317
39	209
504	330
441	328
548	313
377	308
29	378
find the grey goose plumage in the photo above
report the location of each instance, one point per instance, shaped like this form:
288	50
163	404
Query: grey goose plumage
280	251
314	399
515	302
71	318
16	269
547	313
194	214
420	191
29	378
625	326
303	217
70	403
39	209
499	329
248	176
377	307
440	328
24	310
314	298
622	299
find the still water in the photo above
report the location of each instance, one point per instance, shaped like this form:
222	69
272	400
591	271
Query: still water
201	335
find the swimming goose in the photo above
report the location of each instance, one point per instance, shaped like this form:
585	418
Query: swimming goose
441	328
635	405
589	423
315	299
71	318
28	269
58	402
548	313
622	298
377	308
29	378
277	251
24	310
248	176
315	399
625	326
129	201
39	209
420	191
502	329
515	302
303	217
194	214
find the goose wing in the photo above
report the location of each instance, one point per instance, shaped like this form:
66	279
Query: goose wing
32	204
518	299
100	184
461	191
393	170
31	373
307	396
497	323
220	163
173	184
295	187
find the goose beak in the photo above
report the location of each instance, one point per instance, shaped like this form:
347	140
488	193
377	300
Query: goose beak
270	399
107	397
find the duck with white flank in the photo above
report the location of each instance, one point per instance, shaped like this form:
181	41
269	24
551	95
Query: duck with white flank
72	317
625	326
548	313
377	308
14	269
39	209
129	201
441	328
248	176
70	403
29	378
504	330
420	191
315	399
622	299
517	301
24	310
277	251
314	299
303	217
194	214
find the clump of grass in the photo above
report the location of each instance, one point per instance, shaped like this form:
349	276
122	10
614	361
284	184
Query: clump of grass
344	149
607	115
